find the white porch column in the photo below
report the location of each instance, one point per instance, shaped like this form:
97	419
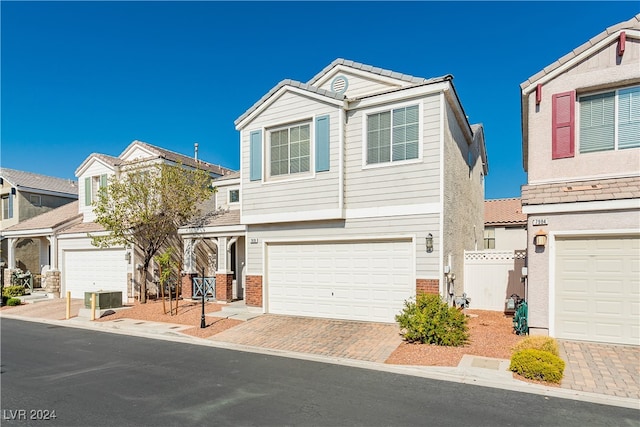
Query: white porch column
52	253
189	256
11	256
223	256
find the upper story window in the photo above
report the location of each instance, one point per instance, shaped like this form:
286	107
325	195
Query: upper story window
489	238
610	120
290	150
92	185
35	199
234	196
393	135
7	206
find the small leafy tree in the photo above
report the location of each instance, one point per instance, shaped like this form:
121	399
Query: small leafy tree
166	264
146	206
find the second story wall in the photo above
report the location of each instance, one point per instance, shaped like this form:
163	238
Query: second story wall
93	177
277	190
376	183
587	100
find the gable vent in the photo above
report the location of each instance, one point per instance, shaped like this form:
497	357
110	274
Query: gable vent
339	84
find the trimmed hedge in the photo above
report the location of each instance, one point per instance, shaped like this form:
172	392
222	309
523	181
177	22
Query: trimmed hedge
430	320
537	365
14	301
539	342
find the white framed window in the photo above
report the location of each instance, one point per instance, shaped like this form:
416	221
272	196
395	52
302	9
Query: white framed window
393	135
7	206
290	150
489	238
610	120
233	196
91	186
35	199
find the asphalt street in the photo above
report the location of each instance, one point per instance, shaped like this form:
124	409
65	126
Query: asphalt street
57	376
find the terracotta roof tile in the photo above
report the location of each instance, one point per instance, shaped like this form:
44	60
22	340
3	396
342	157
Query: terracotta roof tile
504	212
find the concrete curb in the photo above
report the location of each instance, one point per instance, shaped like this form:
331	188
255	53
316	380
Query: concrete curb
464	374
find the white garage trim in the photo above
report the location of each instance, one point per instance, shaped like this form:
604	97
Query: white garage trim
381	304
627	302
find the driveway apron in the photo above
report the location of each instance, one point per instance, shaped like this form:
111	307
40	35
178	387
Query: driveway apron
601	368
367	341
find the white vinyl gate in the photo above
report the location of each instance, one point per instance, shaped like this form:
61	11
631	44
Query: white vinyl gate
491	276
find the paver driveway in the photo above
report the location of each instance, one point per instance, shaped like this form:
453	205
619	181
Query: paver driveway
368	341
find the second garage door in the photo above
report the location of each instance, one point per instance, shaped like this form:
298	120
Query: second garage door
598	289
343	280
95	270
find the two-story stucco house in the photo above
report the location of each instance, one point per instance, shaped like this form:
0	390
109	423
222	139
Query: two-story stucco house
505	226
581	147
75	264
357	189
24	196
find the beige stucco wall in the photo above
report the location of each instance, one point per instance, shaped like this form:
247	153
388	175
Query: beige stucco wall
509	238
601	70
463	198
541	280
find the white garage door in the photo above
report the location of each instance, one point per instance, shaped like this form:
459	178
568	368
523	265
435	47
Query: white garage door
598	289
95	270
348	280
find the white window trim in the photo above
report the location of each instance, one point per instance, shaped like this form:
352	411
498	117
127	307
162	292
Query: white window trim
390	108
615	119
229	202
38	199
266	149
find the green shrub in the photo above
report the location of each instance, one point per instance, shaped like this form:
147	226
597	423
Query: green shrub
13	291
13	301
539	342
537	365
430	320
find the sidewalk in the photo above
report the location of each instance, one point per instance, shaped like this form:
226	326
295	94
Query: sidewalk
596	373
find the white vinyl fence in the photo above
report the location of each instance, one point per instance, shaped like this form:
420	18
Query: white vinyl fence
491	276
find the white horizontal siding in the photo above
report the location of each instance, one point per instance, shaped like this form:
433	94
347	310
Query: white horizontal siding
417	226
397	184
316	191
95	169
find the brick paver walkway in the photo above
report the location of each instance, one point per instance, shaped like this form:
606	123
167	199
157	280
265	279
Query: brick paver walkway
335	338
601	368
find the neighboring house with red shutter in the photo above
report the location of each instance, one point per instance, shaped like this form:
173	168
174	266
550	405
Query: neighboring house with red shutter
581	148
505	226
359	189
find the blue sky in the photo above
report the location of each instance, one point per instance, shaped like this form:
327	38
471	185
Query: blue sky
84	77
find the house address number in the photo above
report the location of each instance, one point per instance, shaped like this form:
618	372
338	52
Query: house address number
539	221
253	241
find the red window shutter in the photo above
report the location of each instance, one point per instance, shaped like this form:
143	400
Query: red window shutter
621	42
563	125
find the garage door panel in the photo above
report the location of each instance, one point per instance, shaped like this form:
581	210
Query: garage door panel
95	270
597	292
358	280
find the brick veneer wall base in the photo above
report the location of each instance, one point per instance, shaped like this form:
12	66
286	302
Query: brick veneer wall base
427	286
253	291
187	285
224	287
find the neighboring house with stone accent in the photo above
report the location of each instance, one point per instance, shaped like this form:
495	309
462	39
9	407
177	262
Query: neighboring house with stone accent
358	189
26	195
581	148
505	226
79	266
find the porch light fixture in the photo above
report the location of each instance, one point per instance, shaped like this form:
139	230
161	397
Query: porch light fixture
540	238
429	243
